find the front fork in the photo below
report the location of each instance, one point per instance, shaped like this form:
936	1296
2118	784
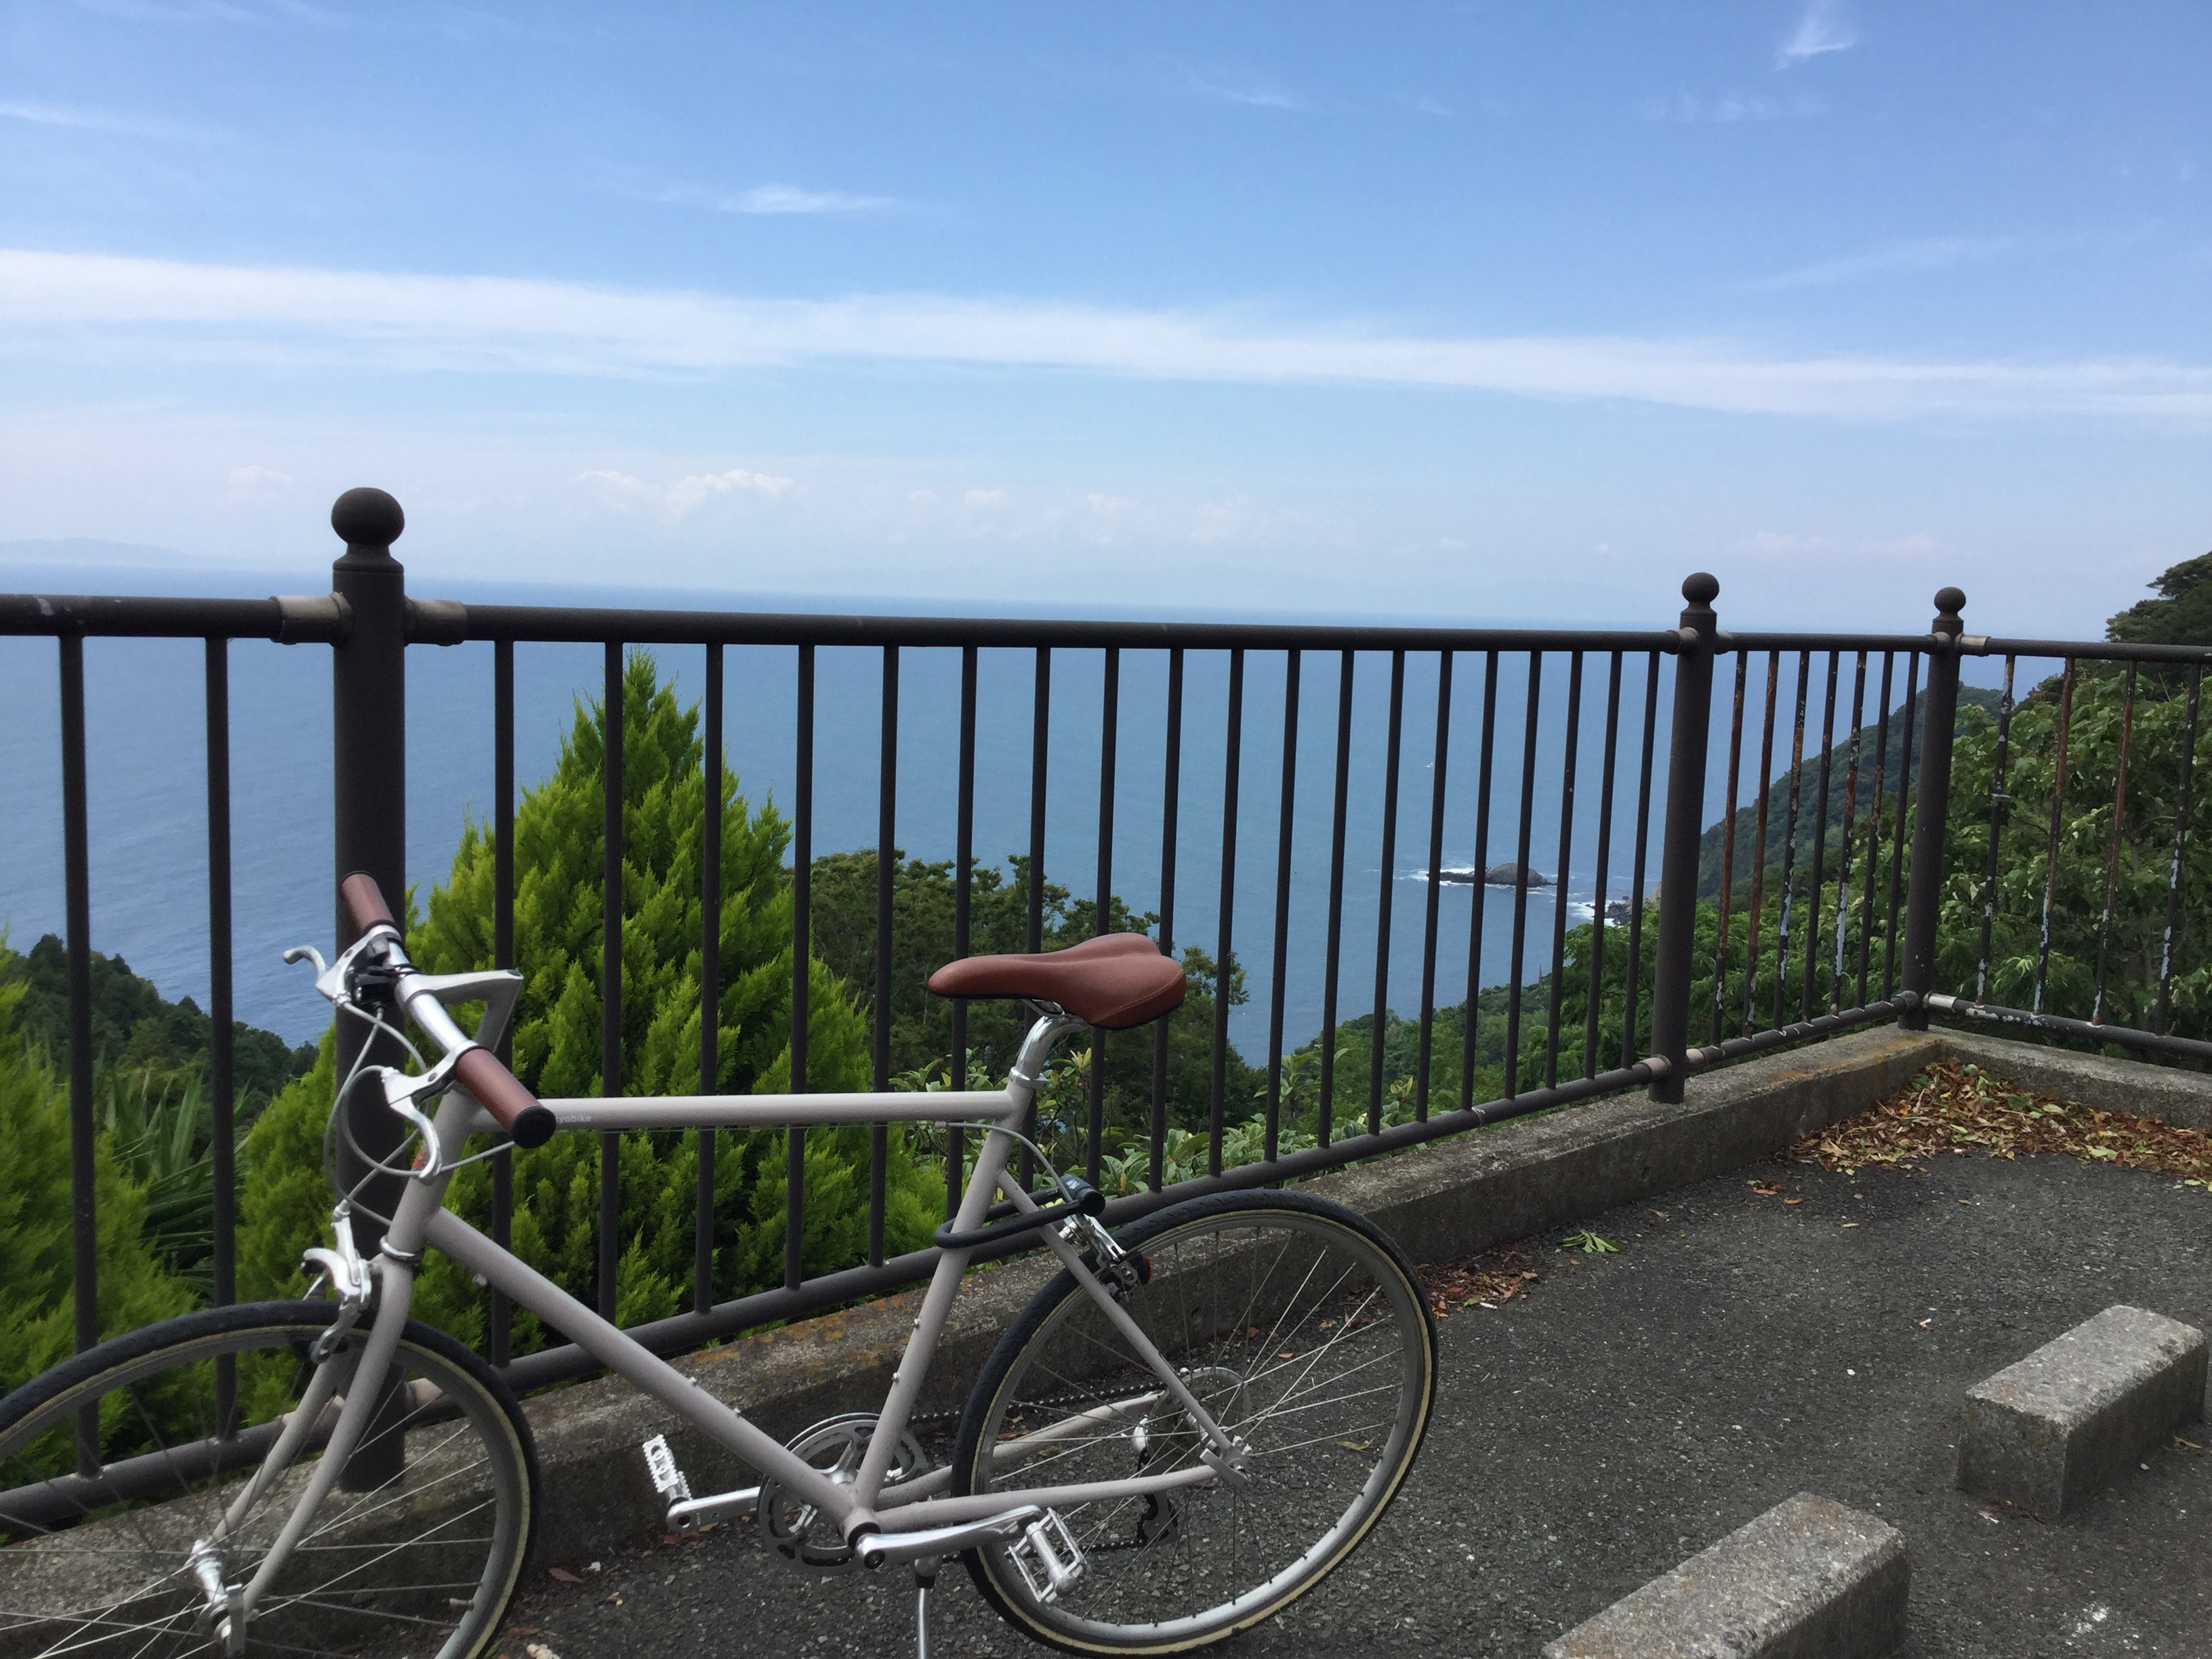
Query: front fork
391	1274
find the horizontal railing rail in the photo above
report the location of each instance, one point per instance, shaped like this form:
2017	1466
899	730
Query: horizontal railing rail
1799	891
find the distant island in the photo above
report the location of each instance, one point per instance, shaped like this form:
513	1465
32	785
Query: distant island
1499	875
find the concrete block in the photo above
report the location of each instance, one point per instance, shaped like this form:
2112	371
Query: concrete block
2050	1430
1809	1579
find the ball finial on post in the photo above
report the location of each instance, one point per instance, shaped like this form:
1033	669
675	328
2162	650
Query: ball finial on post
1950	600
368	518
1701	588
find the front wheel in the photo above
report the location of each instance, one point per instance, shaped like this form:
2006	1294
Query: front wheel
416	1550
1301	1328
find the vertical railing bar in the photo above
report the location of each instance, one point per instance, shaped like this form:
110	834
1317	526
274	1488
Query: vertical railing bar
1102	920
1897	848
1559	881
1471	1018
1290	667
84	1274
802	953
1604	854
963	879
886	876
611	1003
1040	761
1635	964
2057	821
710	979
1843	841
1521	877
1720	940
1436	887
1171	806
1874	824
2113	847
1232	767
222	1077
2181	839
2000	810
1325	1109
501	1322
1813	904
1790	835
1379	1033
1757	919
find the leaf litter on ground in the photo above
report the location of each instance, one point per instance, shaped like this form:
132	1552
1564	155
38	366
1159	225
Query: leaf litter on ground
1954	1108
1489	1280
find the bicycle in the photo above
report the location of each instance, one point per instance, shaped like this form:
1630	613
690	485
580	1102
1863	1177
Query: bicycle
1198	1418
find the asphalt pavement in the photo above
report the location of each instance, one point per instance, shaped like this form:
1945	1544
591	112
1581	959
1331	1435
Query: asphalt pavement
1634	1407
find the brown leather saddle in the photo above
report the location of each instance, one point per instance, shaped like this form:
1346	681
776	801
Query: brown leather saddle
1115	980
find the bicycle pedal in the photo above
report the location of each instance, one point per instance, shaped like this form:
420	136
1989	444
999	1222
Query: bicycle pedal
667	1480
1048	1557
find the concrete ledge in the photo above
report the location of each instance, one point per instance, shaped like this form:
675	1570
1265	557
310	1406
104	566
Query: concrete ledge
1460	1196
2045	1433
1447	1201
2165	1092
1809	1579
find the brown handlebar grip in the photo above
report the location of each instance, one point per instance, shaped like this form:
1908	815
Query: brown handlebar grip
365	900
513	1107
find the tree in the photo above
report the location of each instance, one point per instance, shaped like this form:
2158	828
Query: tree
923	939
38	1317
559	851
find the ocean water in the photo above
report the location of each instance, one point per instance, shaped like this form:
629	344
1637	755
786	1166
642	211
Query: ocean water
146	789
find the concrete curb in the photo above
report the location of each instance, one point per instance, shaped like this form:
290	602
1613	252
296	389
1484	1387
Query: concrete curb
1809	1577
2047	1433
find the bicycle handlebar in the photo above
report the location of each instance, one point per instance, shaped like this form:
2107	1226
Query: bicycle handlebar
365	901
478	1070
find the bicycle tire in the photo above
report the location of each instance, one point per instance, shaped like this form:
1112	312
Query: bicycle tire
432	1548
1248	1294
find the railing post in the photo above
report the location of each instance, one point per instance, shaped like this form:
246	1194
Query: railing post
1931	809
368	735
1685	825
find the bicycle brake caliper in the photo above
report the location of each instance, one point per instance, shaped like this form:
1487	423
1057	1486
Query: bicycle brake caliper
347	1274
1048	1557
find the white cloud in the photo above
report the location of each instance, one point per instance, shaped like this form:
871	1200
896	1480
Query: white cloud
1821	29
87	306
256	483
79	119
789	198
1928	254
679	499
985	498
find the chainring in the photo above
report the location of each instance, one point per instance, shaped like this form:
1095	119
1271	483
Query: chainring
803	1537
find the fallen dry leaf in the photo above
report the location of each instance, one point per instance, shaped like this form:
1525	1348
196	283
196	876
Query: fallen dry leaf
1487	1280
1951	1107
564	1575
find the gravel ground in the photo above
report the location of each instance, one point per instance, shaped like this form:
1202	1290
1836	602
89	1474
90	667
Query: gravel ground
1739	1348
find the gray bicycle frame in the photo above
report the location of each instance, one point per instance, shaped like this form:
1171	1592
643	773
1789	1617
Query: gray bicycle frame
867	1503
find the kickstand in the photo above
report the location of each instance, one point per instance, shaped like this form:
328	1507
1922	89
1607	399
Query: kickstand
925	1580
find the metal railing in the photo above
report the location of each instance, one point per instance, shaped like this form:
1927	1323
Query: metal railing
1864	951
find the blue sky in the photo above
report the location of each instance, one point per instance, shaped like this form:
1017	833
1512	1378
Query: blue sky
1488	310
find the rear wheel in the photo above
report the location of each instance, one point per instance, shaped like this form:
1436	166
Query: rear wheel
416	1550
1300	1327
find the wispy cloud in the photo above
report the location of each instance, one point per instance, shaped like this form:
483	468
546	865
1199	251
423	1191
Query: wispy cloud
761	199
1219	85
1899	259
87	305
1820	29
77	119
